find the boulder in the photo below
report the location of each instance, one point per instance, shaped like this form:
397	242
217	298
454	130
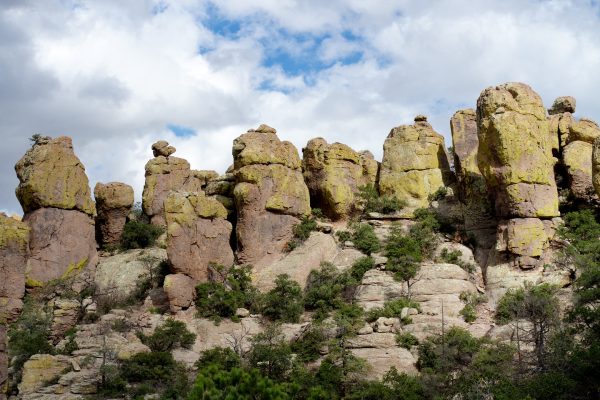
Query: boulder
14	249
65	315
415	164
180	290
118	276
40	369
472	190
515	151
333	174
51	175
62	243
596	166
298	264
563	104
113	202
165	173
577	159
198	234
162	148
270	195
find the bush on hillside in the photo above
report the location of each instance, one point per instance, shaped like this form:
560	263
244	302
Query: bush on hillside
139	235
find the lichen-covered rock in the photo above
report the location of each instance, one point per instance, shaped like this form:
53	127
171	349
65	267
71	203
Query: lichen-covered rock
180	290
270	194
472	190
522	236
596	166
198	234
65	315
577	158
113	202
40	369
14	249
515	151
62	244
162	148
165	173
119	275
333	174
51	175
415	164
563	104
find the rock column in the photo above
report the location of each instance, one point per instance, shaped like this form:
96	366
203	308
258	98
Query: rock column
113	201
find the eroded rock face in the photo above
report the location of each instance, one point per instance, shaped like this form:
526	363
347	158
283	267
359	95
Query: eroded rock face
14	249
180	290
596	166
472	190
333	174
165	173
198	234
62	242
39	369
515	151
113	202
51	175
270	194
577	159
415	163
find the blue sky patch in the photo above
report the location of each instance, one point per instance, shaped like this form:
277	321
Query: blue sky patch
181	131
219	24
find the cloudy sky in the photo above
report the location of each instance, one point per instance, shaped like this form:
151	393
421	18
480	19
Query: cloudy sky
118	75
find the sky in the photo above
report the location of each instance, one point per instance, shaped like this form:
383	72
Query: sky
118	75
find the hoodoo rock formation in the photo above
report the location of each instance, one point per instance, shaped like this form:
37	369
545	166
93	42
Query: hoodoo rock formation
415	163
270	194
333	174
113	202
55	195
14	249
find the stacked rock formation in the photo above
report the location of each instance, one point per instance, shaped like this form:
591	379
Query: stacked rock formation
515	157
415	163
596	166
270	194
55	195
113	201
165	173
14	241
198	234
576	139
472	190
333	174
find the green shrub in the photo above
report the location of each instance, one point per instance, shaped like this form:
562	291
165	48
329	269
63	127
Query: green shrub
155	372
360	267
170	335
317	213
284	302
371	201
454	257
302	232
308	346
324	289
391	309
365	240
270	353
439	194
343	236
220	299
223	357
406	340
139	235
469	312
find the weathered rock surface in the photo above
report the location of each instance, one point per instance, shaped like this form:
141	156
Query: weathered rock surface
113	202
472	190
198	234
65	314
118	276
14	249
515	151
596	166
333	174
162	148
415	163
62	243
381	360
318	248
51	175
563	104
180	290
577	158
165	173
270	194
39	369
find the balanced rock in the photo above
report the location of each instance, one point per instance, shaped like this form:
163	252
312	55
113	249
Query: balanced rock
62	244
415	163
113	202
270	194
198	234
14	248
472	190
51	175
165	173
515	151
333	174
563	104
162	148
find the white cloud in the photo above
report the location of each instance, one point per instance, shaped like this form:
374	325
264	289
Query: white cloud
113	74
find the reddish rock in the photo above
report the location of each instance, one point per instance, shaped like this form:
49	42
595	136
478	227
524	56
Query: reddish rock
180	290
14	240
113	202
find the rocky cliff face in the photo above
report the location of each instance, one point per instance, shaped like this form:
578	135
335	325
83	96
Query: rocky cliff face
113	202
415	164
270	194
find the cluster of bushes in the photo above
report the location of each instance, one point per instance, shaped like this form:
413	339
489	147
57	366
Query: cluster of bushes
392	309
455	257
371	201
302	231
138	234
472	300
